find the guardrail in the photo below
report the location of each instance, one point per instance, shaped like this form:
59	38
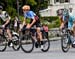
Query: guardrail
54	34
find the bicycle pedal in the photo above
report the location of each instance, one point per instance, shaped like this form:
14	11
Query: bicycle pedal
73	45
10	45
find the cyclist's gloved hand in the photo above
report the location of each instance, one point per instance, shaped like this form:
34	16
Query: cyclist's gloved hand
20	30
28	26
3	26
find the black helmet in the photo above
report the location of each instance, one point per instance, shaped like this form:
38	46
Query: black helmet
60	12
1	7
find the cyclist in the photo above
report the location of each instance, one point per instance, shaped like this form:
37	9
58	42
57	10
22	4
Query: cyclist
71	25
61	17
69	21
45	27
34	21
16	24
5	24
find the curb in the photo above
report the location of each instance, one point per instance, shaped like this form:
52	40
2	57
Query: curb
55	39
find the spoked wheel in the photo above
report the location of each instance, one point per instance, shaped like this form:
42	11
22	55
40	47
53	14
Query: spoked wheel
16	42
46	43
27	43
3	43
65	43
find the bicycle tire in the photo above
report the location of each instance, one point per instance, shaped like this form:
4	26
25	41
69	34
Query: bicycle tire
64	48
46	41
27	37
3	40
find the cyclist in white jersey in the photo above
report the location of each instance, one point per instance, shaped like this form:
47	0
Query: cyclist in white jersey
5	24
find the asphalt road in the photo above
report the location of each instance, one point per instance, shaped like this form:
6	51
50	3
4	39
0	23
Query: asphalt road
54	52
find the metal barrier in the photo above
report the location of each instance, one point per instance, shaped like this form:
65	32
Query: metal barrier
54	34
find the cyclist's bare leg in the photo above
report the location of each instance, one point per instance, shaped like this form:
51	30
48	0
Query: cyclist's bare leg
61	26
10	37
74	31
39	33
0	31
40	36
73	28
9	34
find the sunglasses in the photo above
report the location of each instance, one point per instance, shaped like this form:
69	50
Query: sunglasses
25	10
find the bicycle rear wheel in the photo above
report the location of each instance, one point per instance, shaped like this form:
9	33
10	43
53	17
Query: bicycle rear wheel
3	43
65	43
27	43
46	43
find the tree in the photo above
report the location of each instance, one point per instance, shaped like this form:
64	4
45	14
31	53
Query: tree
11	5
41	4
36	5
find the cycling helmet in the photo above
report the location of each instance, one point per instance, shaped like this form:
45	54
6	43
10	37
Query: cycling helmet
1	7
26	7
59	12
65	12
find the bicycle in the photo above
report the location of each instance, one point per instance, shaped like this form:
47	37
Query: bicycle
66	40
27	39
4	40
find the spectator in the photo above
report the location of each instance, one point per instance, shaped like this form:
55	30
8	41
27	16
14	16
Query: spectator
45	27
16	24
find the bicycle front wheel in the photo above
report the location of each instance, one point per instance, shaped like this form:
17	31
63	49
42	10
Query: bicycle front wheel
27	43
65	44
3	43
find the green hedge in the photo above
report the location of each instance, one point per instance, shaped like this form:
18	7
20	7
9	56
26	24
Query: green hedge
50	18
53	21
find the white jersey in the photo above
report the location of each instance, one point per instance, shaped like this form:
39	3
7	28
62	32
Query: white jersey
4	15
